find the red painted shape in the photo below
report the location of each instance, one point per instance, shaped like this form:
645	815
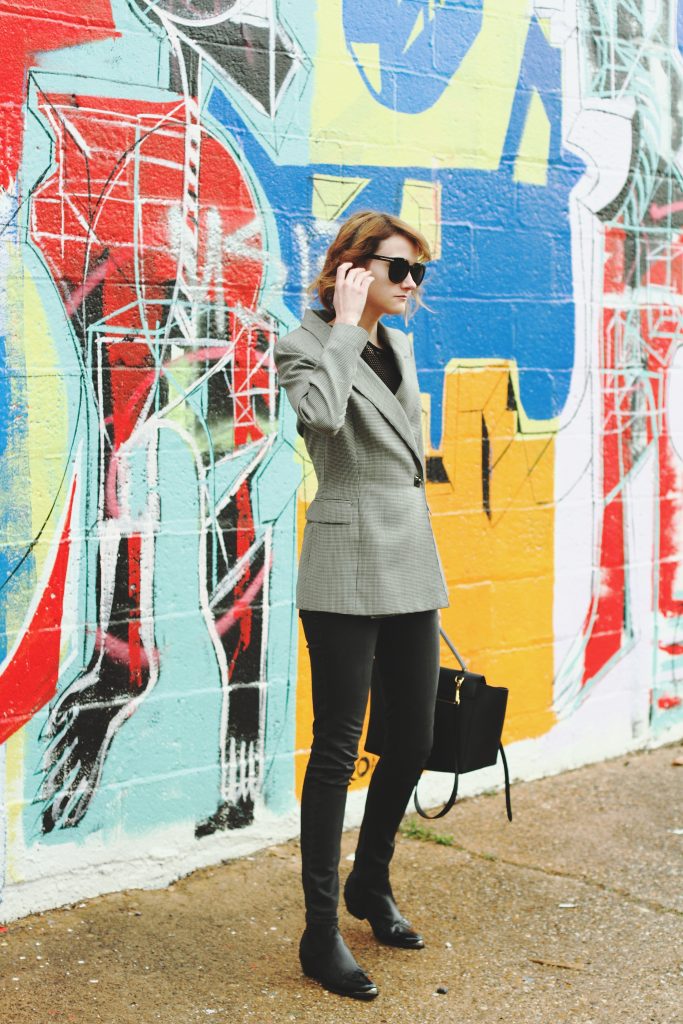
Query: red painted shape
244	539
134	639
29	680
131	375
661	337
673	649
666	703
604	622
30	28
604	625
119	180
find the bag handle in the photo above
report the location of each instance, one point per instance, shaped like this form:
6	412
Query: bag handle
454	794
449	643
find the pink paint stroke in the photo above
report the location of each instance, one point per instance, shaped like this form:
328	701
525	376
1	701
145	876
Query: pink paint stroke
83	290
660	212
118	650
242	604
111	500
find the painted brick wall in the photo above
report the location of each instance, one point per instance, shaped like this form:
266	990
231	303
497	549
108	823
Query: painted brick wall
170	177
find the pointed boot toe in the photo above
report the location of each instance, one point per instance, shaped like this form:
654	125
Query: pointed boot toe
334	966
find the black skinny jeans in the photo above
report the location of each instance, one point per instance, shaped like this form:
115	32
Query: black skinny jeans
404	650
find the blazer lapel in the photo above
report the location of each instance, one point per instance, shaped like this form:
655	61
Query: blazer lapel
406	394
395	408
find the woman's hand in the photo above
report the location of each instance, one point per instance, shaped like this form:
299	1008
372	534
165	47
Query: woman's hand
350	293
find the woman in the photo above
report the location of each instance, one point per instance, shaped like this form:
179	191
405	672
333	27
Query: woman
370	581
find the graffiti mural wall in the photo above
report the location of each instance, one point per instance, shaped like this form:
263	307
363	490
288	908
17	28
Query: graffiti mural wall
170	177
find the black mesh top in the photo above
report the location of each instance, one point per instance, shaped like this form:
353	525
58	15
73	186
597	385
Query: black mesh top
383	362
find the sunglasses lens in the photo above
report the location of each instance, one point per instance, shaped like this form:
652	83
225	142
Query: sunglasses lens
398	270
417	272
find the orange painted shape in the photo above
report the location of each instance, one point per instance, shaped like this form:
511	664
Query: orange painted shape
499	569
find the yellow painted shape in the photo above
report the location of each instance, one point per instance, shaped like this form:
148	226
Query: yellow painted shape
417	30
368	58
545	27
14	797
467	125
47	418
527	425
421	207
531	164
500	570
333	194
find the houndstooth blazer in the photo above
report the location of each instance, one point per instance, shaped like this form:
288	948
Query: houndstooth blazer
368	546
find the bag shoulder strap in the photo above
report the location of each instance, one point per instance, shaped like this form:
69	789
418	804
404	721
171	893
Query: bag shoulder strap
508	804
454	794
446	807
449	643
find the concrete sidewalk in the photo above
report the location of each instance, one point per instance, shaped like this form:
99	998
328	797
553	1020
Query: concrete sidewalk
574	913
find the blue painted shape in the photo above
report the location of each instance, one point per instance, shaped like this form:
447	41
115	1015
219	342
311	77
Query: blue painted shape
412	77
503	286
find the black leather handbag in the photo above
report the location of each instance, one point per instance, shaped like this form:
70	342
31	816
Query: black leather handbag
468	724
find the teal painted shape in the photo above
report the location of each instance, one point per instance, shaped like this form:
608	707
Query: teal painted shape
163	766
220	478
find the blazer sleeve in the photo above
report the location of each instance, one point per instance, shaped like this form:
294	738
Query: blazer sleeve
319	389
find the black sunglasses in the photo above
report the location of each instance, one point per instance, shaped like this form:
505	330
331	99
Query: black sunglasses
400	268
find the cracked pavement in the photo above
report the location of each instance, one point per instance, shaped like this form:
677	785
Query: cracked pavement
572	913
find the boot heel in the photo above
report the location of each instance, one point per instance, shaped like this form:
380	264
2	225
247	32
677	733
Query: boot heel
355	909
355	912
354	905
384	917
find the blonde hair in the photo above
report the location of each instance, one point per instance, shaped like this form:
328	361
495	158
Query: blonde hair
355	243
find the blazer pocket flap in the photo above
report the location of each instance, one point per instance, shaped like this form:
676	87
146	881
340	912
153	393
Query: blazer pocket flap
329	510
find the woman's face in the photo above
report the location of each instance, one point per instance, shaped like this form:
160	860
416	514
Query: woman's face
384	297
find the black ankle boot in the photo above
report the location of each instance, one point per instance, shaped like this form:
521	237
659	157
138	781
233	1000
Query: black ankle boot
385	919
328	960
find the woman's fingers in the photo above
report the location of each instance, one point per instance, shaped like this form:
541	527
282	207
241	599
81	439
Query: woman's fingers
358	275
350	292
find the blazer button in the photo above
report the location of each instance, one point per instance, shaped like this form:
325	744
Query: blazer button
417	481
